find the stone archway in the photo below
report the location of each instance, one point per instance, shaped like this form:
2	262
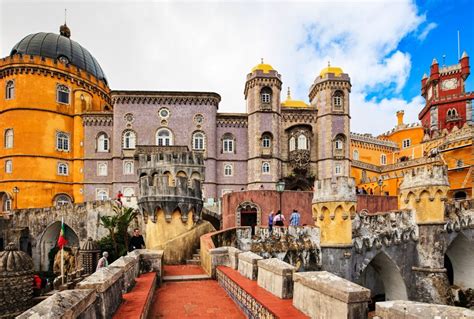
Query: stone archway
460	258
48	241
382	276
248	214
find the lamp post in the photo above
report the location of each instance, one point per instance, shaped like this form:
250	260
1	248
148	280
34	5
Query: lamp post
280	188
380	183
16	190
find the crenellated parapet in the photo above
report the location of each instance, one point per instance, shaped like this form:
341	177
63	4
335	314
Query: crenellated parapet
383	229
459	215
424	189
170	180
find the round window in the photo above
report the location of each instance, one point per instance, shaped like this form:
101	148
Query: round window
164	113
198	119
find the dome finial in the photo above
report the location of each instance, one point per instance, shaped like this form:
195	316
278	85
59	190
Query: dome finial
288	97
329	64
261	60
64	29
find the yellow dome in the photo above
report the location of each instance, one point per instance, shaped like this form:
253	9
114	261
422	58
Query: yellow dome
263	67
331	69
293	103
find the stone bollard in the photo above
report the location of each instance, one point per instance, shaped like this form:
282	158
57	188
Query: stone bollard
219	256
323	295
233	257
248	265
276	276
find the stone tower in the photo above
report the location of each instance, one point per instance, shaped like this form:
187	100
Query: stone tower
424	190
262	95
334	200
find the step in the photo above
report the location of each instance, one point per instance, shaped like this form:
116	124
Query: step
193	262
186	278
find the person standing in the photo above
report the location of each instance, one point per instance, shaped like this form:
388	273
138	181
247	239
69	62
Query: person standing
119	197
295	218
279	219
103	262
136	242
270	222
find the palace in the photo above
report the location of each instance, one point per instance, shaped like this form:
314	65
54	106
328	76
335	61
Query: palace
69	138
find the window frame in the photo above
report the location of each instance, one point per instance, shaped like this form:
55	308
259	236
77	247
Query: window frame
10	90
339	142
406	143
61	88
337	169
354	156
266	168
8	138
169	137
103	143
231	169
200	140
266	139
61	138
124	171
266	95
60	198
228	144
102	164
62	169
300	139
292	144
104	190
129	135
8	166
338	100
383	159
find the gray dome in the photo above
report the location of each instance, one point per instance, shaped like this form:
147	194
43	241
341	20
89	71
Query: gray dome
59	46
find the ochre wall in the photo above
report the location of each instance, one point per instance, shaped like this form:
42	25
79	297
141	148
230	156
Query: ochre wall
35	117
160	231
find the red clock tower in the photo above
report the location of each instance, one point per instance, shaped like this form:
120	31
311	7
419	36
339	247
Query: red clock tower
447	103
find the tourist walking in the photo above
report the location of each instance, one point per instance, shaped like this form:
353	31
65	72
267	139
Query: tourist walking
136	242
279	219
295	218
103	262
270	222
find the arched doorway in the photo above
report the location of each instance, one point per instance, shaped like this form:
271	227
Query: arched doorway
6	203
460	195
48	242
382	276
248	214
459	261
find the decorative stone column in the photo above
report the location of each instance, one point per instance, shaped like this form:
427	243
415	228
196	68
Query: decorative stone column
424	191
16	282
90	255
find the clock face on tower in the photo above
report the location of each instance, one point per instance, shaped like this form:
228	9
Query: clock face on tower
449	84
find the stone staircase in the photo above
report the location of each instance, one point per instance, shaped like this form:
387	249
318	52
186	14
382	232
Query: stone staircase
196	260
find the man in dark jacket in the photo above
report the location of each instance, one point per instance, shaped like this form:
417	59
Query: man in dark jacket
136	242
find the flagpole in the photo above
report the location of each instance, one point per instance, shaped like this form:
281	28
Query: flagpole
62	255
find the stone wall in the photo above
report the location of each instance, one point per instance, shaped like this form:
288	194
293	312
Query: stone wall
417	310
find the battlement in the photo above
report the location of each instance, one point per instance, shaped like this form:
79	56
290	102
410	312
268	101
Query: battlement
368	138
433	175
339	189
158	156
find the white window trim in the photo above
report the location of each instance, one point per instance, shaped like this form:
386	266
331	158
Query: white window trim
59	171
68	91
355	155
231	169
170	137
8	166
203	136
68	139
130	147
7	143
106	168
406	143
266	138
101	144
230	145
98	190
133	167
266	97
12	96
383	159
337	169
269	168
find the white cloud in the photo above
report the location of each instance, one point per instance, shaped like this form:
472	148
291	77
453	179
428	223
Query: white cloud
423	34
211	46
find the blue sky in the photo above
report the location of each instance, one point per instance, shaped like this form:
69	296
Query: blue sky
385	46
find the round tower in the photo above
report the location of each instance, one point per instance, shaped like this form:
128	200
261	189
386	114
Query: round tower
262	95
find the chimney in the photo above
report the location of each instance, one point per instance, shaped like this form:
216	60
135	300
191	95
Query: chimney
400	117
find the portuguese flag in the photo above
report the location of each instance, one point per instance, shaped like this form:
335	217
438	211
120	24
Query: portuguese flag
62	241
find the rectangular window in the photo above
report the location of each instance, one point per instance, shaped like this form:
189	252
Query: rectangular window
101	194
128	167
383	159
62	94
266	97
228	146
338	169
406	143
62	142
101	169
10	90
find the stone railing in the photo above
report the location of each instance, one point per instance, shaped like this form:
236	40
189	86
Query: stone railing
383	229
100	294
416	310
459	215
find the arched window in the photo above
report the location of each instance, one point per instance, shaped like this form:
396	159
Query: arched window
339	143
8	205
383	159
62	200
103	143
8	166
338	99
266	95
266	140
228	143
338	169
128	167
102	194
63	169
8	138
102	169
292	143
62	94
338	148
164	137
266	168
355	155
129	140
198	141
228	170
302	142
10	90
62	142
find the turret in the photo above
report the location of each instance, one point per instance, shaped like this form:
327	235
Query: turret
434	70
465	69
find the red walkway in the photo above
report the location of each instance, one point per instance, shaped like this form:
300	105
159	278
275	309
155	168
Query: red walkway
179	270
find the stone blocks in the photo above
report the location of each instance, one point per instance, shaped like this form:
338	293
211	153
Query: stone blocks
131	270
65	304
320	294
233	257
248	265
276	276
417	310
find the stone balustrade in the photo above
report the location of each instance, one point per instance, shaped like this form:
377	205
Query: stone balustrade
320	294
100	294
417	310
248	265
276	276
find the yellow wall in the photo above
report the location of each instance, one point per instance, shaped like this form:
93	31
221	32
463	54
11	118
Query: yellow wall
334	221
161	231
36	116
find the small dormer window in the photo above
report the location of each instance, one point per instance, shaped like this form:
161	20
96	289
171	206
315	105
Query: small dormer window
62	94
266	95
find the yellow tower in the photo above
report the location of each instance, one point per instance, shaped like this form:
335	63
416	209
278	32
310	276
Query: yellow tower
48	82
